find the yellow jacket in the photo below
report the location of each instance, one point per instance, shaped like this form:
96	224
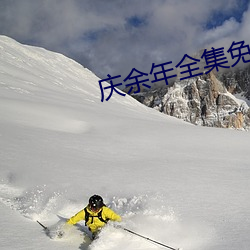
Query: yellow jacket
94	223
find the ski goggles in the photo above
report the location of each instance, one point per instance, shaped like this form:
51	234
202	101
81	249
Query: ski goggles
94	208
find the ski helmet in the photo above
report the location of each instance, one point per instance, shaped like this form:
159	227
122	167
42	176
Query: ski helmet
95	202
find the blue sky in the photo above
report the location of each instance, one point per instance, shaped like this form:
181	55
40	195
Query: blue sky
114	36
218	17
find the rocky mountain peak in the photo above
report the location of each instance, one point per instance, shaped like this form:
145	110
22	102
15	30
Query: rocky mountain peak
202	100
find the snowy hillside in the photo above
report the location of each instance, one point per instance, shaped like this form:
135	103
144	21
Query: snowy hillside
182	185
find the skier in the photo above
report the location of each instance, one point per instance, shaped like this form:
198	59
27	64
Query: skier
95	214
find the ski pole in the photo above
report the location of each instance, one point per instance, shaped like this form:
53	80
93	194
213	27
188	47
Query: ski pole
45	228
146	238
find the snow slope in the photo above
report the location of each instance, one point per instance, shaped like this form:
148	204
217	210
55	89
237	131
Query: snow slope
176	183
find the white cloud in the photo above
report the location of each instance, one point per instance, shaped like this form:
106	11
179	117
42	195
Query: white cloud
97	32
245	27
228	29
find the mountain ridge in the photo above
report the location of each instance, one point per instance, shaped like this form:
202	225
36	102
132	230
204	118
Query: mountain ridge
205	100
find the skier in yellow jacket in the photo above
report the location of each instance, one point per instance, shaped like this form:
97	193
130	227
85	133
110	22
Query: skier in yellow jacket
96	215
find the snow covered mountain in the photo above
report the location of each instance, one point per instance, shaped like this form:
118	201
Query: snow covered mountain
182	185
200	100
237	81
218	99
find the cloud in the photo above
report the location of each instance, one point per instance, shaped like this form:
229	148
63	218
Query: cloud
230	30
114	36
244	31
226	30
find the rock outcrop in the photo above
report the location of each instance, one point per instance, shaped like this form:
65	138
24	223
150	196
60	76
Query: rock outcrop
202	101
